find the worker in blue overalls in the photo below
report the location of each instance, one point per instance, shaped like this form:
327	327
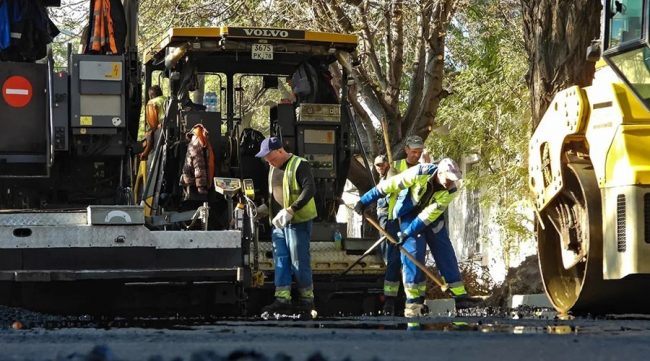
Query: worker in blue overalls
424	193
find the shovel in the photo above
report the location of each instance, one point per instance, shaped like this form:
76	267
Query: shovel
443	285
367	252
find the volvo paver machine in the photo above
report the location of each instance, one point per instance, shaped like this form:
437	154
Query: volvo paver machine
244	68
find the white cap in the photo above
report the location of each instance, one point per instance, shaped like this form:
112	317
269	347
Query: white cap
449	169
380	159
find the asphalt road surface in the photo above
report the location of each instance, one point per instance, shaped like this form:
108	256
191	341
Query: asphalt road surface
351	338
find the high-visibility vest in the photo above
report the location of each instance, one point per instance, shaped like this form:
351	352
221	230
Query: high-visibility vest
103	32
291	190
412	185
397	167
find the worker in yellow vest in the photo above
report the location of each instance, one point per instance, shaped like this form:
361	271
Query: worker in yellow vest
413	148
154	115
292	209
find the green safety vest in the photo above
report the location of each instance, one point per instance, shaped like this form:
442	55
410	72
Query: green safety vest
417	183
397	167
291	190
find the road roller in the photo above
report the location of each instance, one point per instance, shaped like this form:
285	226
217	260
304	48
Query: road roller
589	172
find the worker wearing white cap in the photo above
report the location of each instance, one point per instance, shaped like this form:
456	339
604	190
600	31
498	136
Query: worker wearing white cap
424	191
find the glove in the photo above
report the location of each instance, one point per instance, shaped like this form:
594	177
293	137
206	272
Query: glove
359	208
401	238
282	218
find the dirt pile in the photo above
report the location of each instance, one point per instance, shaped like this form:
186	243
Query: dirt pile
523	279
476	278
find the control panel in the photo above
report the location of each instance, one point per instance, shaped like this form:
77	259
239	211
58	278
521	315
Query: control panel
227	186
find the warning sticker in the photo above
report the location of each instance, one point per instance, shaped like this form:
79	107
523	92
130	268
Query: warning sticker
100	70
86	120
115	73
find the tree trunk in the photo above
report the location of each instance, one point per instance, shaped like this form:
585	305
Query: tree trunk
557	34
359	176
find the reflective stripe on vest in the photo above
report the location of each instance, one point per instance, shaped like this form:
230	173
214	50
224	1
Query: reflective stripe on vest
291	190
103	34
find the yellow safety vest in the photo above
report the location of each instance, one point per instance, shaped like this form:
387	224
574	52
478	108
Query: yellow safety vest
397	167
291	190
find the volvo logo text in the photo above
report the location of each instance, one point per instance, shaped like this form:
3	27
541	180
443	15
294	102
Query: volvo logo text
274	33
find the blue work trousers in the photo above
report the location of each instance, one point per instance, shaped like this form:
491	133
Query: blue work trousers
391	255
437	238
414	282
292	258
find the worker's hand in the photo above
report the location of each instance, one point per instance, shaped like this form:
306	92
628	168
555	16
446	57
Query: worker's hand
276	222
401	238
359	208
283	218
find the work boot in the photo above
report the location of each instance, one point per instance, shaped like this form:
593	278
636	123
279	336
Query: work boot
278	306
305	305
306	308
465	302
415	310
389	306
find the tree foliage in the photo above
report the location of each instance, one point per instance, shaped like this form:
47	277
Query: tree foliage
486	114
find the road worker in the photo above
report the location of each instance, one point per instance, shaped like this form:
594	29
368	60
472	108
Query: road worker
154	119
292	209
413	148
424	192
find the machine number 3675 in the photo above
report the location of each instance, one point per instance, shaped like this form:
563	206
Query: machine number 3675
262	52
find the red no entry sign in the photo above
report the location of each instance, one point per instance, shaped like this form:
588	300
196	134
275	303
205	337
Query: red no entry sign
17	91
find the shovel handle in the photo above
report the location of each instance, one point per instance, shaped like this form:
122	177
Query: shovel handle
443	285
367	252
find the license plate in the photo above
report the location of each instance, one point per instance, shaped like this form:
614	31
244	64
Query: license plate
262	52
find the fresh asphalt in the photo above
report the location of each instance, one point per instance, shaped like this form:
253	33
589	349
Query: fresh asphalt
533	337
